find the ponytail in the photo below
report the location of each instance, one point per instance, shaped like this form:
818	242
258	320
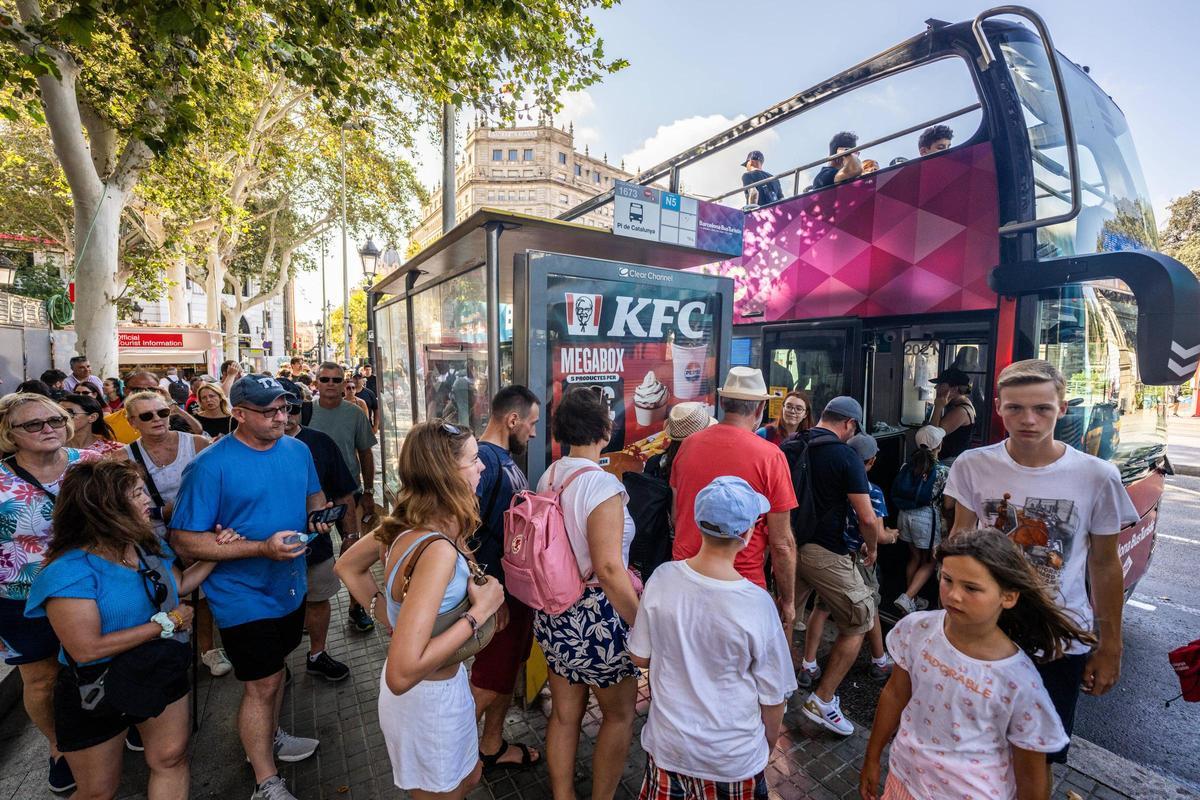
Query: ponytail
923	462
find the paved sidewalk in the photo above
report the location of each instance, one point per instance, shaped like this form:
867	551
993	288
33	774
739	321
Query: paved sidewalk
352	761
1183	441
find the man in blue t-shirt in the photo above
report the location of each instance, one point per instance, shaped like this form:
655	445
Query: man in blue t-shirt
513	422
262	485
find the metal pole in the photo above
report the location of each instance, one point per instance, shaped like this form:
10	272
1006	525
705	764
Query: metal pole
492	268
324	303
345	258
447	167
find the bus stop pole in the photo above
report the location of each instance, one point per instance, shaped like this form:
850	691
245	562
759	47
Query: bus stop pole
492	268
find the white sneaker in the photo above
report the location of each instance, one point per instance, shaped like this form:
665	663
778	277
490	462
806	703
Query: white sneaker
921	603
293	748
217	662
905	604
272	788
827	715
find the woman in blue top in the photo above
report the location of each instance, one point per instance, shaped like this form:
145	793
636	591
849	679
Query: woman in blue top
425	709
107	587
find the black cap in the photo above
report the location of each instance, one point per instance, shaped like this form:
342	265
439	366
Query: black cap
754	155
953	377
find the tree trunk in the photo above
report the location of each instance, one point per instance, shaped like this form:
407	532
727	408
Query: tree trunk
177	294
96	280
233	318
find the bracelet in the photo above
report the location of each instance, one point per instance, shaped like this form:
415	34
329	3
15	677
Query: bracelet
175	617
374	599
164	621
474	625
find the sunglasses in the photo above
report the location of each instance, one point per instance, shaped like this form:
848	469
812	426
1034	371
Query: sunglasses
268	412
451	429
294	409
330	379
161	413
152	581
35	425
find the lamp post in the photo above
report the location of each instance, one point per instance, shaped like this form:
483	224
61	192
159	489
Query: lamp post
370	262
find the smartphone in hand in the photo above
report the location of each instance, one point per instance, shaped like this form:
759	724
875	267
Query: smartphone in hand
327	516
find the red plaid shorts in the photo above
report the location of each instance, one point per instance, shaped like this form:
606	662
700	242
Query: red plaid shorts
659	784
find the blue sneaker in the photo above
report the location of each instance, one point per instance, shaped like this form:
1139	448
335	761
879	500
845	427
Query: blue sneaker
60	779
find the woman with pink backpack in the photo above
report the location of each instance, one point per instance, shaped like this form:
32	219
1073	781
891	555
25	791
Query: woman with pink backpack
585	644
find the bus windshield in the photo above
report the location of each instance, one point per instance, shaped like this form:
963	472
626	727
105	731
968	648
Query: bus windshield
1116	213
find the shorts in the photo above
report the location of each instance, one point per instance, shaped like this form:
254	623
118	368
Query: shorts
660	784
586	643
77	729
259	649
893	789
1062	678
839	585
323	584
25	640
920	527
496	666
430	733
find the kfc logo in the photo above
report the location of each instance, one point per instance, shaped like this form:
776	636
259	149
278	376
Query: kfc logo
583	314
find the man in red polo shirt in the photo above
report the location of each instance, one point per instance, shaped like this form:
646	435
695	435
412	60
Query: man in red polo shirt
733	448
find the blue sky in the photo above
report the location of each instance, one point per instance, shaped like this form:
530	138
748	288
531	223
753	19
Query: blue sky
696	67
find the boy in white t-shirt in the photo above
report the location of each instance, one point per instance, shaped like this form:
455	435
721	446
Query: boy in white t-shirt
1065	508
720	668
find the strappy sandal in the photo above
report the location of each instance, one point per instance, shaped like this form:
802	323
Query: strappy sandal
493	763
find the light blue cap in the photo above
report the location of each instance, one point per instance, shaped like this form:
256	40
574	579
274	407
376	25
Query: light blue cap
728	507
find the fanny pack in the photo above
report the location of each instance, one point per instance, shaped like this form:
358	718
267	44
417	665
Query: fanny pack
140	682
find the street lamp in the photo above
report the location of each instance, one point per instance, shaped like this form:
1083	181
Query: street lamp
135	312
370	259
8	271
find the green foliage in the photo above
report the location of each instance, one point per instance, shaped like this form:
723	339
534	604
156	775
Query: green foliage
358	328
1181	237
38	280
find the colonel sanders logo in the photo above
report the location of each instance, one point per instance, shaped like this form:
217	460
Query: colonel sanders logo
583	314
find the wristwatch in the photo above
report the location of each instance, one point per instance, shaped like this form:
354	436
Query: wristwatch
168	627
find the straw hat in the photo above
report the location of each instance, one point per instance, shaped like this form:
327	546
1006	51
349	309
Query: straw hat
745	383
686	419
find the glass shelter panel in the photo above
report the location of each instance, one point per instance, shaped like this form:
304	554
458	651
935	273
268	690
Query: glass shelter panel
450	320
394	386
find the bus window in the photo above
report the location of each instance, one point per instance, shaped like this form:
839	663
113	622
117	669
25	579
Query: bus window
1089	332
817	361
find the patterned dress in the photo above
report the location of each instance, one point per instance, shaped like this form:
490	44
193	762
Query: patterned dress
25	526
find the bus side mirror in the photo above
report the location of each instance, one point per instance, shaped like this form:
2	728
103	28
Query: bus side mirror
1167	294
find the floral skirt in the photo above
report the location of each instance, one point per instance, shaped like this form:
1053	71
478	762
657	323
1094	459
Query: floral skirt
586	643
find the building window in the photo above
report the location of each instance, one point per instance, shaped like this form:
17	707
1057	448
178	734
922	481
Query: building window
578	170
596	177
562	158
497	155
562	198
491	197
528	154
512	155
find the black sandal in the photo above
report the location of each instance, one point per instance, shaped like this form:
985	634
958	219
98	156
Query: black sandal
492	763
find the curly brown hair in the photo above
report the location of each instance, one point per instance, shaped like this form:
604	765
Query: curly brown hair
432	489
93	510
1036	624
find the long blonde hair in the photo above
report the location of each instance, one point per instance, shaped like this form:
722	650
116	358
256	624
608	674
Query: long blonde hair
432	488
209	386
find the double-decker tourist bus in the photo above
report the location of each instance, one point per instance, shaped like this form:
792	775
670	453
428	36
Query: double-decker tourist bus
1027	232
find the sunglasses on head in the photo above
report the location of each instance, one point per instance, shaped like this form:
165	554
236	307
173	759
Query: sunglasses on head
330	379
161	413
35	425
450	428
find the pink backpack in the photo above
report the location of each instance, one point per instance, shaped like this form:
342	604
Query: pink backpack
540	568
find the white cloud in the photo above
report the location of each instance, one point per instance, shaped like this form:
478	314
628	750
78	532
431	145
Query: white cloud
716	174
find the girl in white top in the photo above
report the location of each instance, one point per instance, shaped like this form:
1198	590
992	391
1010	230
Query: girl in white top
973	716
585	645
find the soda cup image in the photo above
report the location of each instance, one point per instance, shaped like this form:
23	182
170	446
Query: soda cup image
688	358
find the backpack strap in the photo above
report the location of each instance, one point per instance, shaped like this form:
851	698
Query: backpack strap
135	447
571	479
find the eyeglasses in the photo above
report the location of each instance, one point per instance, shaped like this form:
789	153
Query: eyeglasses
267	412
791	407
161	413
330	379
35	425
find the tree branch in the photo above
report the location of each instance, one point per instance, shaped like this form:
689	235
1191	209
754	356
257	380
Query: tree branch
102	138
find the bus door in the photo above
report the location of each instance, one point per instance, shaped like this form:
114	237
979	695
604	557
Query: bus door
821	357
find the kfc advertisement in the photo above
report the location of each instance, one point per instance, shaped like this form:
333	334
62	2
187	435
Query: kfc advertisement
645	348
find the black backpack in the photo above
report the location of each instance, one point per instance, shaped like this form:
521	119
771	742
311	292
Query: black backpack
797	450
179	391
650	507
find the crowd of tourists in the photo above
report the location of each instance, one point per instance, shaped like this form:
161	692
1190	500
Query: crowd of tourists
145	512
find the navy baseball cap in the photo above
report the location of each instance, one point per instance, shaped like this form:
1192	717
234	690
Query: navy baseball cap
728	507
754	155
847	407
259	390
